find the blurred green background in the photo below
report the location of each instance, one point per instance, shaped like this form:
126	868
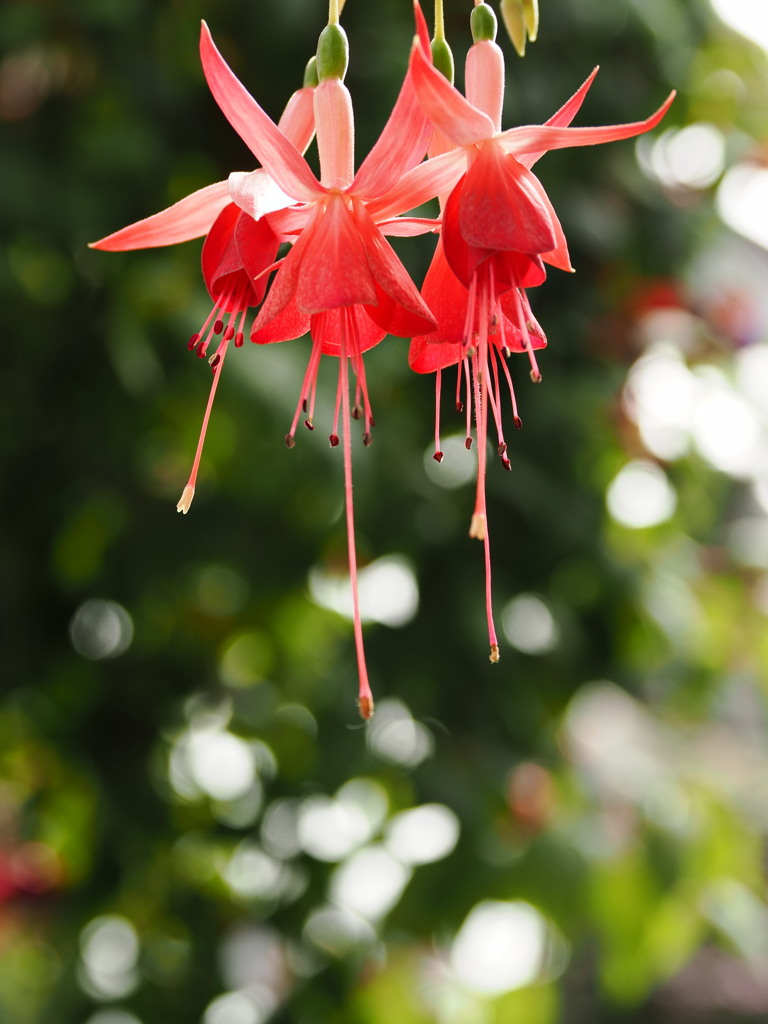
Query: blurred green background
194	825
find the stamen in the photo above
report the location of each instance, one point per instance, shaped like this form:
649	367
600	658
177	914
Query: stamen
188	493
468	386
307	388
290	441
459	403
193	341
523	325
438	456
365	698
334	439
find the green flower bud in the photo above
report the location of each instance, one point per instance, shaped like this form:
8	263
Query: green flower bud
442	58
332	53
531	15
514	20
310	73
482	21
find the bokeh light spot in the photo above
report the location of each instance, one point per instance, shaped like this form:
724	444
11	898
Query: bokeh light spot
499	947
529	625
423	834
101	629
641	495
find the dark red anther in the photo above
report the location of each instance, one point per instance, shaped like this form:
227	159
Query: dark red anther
193	341
506	463
304	405
502	449
459	407
215	361
367	439
334	439
200	350
290	441
218	327
518	423
372	422
229	333
357	412
309	424
438	456
468	443
239	339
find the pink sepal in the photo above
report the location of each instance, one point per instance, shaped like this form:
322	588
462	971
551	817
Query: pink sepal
190	218
274	151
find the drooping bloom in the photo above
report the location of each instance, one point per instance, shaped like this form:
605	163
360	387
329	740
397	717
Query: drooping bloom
498	230
341	280
237	251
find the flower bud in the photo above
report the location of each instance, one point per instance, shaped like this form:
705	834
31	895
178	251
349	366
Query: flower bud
310	74
442	58
531	15
512	11
482	22
332	53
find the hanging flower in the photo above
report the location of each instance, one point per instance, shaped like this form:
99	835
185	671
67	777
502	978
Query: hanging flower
499	229
341	279
237	250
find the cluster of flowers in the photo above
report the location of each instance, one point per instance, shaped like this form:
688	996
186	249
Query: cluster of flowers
341	280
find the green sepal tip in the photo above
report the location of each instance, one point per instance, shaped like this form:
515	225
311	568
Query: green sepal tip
332	53
442	58
310	74
482	22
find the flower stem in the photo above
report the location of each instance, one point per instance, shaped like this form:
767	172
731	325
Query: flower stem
333	12
439	20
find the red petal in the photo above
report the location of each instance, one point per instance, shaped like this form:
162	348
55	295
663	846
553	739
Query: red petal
223	271
285	283
501	205
326	329
447	297
190	218
257	247
399	307
335	271
289	323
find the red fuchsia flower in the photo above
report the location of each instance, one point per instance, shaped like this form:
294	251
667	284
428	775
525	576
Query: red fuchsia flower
237	250
341	279
498	230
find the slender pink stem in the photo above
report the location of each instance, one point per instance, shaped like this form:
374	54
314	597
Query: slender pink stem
189	491
365	698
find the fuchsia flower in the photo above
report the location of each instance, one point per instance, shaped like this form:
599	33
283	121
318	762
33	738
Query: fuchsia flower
498	230
237	251
341	278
